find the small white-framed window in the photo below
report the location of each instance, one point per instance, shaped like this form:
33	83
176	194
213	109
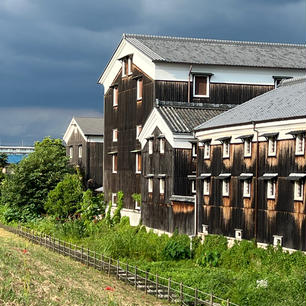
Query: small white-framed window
205	229
238	234
272	143
226	149
277	240
299	190
162	145
129	66
194	150
246	188
71	152
115	96
139	89
162	186
114	163
150	185
124	62
115	135
138	130
137	205
150	146
200	86
193	186
206	186
271	184
206	150
80	151
247	147
114	199
138	162
299	145
225	188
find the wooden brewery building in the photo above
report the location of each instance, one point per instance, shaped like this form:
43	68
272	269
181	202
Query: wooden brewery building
84	140
145	68
251	169
169	164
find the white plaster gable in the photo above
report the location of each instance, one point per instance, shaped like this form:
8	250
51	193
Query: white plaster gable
155	120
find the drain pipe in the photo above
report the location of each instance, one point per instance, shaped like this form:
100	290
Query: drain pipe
256	183
190	69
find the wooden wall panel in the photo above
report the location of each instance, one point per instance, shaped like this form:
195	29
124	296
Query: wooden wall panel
125	117
220	93
282	216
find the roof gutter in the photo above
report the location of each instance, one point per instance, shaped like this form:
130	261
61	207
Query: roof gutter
190	69
249	122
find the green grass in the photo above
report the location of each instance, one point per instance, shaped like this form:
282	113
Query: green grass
30	275
234	273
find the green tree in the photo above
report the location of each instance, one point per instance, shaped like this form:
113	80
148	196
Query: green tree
3	160
24	192
65	199
92	207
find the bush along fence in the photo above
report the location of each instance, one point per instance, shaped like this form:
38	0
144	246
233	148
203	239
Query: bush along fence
160	287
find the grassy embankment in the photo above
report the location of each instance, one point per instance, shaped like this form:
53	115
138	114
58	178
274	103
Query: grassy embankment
30	275
247	275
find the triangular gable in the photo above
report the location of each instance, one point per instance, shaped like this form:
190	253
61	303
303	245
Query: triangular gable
114	65
155	120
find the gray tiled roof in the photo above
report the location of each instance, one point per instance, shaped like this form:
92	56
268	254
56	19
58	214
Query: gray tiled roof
182	118
91	126
219	52
286	101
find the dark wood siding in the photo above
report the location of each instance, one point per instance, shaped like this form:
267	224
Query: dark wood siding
157	210
219	93
282	216
125	117
91	163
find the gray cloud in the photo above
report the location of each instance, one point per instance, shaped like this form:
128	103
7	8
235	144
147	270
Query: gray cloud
52	52
25	125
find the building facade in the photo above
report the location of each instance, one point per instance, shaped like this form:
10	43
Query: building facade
84	140
251	169
144	69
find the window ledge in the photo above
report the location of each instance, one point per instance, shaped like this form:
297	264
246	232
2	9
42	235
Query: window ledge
300	154
200	96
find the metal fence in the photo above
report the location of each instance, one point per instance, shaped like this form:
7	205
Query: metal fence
162	288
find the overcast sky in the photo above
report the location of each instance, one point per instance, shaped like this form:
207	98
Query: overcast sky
52	52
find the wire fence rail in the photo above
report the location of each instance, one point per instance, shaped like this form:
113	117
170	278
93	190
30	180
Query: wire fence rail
162	288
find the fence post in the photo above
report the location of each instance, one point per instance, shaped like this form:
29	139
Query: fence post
169	288
82	250
127	272
146	281
195	296
95	260
59	245
136	277
87	257
181	293
156	283
211	299
53	244
227	302
109	265
102	262
117	269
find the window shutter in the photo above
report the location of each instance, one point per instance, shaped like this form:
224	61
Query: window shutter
200	86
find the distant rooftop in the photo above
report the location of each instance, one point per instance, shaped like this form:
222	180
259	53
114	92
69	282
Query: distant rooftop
219	52
285	102
91	126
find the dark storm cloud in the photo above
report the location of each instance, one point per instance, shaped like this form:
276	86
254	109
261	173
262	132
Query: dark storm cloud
52	52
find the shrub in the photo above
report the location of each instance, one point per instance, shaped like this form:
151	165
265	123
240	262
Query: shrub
178	247
65	199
